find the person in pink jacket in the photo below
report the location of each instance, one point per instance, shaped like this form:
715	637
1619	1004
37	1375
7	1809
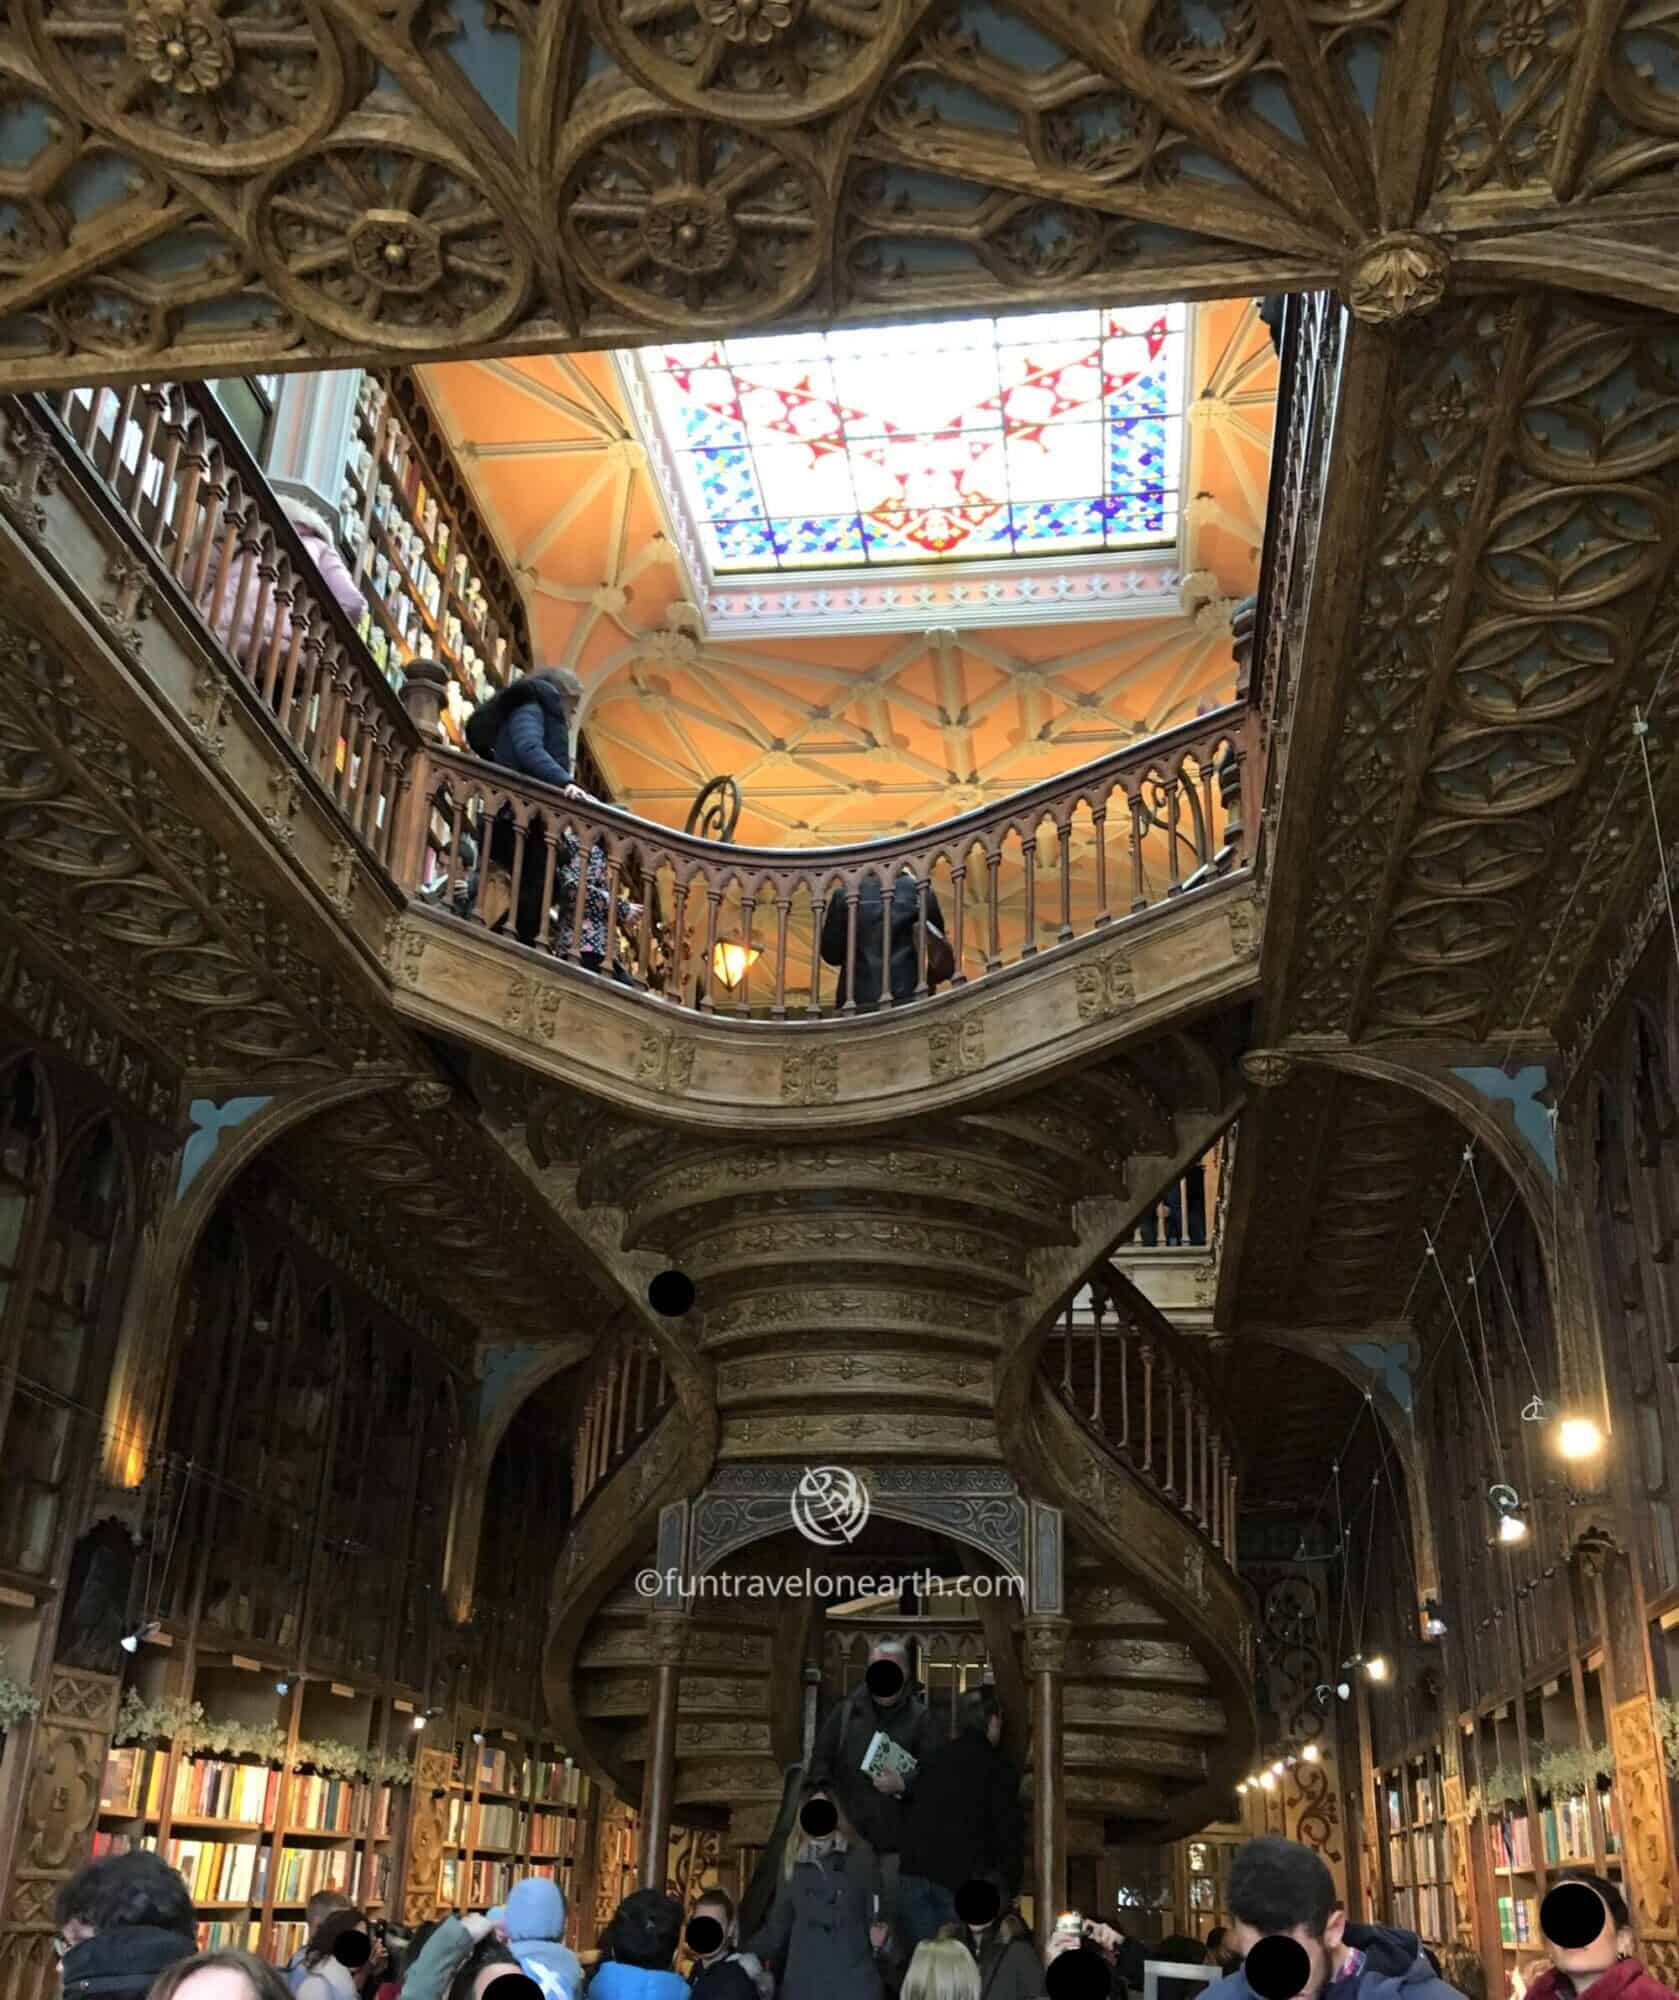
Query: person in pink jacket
235	621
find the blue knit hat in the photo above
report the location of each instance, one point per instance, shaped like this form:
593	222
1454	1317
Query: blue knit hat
536	1909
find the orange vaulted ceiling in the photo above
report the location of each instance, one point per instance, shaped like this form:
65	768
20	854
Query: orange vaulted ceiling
843	738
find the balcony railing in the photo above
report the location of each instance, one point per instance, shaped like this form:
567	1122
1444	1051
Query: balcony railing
1141	1391
166	457
1185	1216
766	933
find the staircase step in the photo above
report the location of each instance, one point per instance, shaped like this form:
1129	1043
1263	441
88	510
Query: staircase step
1122	1750
612	1644
1134	1660
1115	1706
1110	1605
708	1736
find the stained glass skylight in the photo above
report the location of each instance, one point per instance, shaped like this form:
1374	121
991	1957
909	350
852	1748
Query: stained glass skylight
1054	433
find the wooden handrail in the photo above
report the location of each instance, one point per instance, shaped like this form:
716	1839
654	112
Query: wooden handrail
1151	820
1145	1395
721	929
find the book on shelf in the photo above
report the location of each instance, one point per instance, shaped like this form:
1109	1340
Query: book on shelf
490	1882
327	1805
375	1878
449	1882
302	1871
230	1934
285	1940
119	1789
111	1843
217	1788
495	1769
384	1811
1512	1845
1609	1807
1567	1830
454	1821
499	1826
1517	1923
552	1781
219	1871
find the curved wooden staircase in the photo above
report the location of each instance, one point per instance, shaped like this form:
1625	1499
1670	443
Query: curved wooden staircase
919	1299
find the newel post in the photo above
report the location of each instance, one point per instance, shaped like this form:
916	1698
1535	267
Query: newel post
425	689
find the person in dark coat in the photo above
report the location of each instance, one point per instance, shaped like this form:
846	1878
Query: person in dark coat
526	727
1000	1944
963	1822
888	1705
871	939
720	1971
123	1919
825	1932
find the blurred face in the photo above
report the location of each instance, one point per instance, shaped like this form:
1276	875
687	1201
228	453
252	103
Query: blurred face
1320	1954
215	1982
886	1679
1598	1953
715	1913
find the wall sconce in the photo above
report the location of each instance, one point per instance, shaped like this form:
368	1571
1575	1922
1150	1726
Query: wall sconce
1578	1438
732	962
1433	1619
1506	1504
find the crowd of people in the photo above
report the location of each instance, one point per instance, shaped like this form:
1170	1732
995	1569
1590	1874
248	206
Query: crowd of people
899	1878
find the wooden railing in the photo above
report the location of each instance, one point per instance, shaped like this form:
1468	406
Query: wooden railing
169	460
767	933
744	931
1140	1390
623	1393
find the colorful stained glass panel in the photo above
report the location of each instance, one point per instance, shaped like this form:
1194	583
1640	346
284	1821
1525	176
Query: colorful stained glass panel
982	438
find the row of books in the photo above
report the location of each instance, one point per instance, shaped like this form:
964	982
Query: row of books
1512	1844
1421	1910
1425	1801
552	1781
554	1835
499	1826
495	1769
329	1805
230	1934
285	1940
303	1870
1517	1921
218	1871
1416	1857
476	1887
1565	1831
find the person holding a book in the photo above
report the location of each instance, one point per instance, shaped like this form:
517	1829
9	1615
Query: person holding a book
963	1822
868	1753
825	1932
1588	1929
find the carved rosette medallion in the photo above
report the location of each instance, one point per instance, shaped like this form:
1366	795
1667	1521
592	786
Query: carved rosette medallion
397	251
688	222
689	230
184	48
1396	277
772	61
388	244
223	88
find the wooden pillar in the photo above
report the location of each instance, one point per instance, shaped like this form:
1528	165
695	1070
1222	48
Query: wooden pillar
1046	1659
667	1633
1641	1784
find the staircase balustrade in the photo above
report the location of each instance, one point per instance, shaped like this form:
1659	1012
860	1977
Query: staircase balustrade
1142	1392
623	1393
723	930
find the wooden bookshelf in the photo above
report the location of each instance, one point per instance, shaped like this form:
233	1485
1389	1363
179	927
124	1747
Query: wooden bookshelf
517	1805
256	1836
1418	1862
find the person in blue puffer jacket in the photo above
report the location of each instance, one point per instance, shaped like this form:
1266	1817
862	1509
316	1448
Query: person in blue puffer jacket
534	1922
640	1943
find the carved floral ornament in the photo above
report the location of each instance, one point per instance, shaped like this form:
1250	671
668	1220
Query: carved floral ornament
1396	278
183	47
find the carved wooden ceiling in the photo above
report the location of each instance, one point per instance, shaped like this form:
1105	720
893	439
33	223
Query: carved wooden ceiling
843	738
203	184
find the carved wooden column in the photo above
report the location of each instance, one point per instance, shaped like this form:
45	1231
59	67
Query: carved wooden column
1641	1785
1046	1660
667	1635
424	1835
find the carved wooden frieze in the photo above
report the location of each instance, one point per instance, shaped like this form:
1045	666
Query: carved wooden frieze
67	1743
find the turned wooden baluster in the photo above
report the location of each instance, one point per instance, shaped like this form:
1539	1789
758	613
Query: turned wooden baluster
157	405
1139	822
1099	823
1098	1336
1124	1381
1064	833
994	942
923	889
850	1006
958	923
1146	1348
1170	1375
621	1384
1029	862
783	909
1067	1352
